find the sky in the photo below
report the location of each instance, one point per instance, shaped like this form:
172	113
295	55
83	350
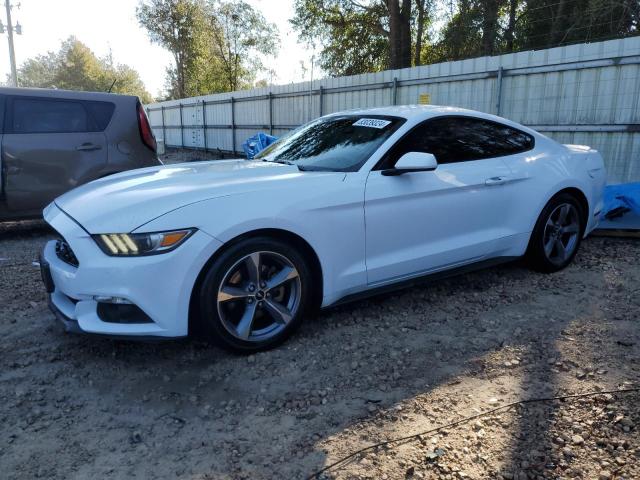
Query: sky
112	25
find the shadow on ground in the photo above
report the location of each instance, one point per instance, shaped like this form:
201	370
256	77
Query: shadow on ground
74	407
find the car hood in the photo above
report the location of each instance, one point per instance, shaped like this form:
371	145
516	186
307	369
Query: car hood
125	201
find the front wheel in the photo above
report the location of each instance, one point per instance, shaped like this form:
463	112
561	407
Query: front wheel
557	234
255	295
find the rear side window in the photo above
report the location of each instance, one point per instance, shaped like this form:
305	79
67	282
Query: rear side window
31	115
461	139
101	113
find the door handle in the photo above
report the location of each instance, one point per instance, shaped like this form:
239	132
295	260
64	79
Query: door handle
495	181
87	147
13	169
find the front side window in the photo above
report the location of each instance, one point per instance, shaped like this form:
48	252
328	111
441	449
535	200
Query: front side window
341	143
461	139
31	115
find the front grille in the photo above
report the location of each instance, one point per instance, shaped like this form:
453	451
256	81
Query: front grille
64	253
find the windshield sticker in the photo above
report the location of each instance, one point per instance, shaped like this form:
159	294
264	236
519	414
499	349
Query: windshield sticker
371	122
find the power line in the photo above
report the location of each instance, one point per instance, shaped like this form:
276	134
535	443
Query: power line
339	463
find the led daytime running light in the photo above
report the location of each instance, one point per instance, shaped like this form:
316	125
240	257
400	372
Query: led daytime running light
132	244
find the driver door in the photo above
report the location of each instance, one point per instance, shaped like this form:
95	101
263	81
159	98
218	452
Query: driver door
423	222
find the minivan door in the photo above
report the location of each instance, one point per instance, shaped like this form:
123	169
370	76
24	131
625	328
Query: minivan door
2	176
50	146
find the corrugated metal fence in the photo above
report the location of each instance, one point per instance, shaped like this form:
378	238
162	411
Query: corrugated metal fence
585	94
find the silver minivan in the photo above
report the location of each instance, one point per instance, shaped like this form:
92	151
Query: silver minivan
54	140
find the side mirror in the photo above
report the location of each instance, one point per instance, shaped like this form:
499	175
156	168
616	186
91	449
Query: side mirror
412	162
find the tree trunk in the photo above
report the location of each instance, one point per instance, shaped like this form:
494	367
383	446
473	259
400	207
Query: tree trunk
394	33
489	26
556	25
419	32
399	34
511	27
406	34
180	76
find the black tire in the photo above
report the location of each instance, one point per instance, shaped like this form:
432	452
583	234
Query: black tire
216	319
537	257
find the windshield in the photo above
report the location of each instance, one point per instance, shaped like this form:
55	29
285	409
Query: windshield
341	143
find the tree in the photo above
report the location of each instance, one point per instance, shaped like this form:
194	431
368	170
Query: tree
216	44
76	67
421	7
181	27
399	33
548	23
358	36
352	36
364	36
39	71
241	35
490	27
511	25
461	36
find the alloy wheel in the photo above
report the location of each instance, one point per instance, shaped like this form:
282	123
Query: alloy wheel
561	231
258	296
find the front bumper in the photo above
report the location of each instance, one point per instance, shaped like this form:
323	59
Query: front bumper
159	285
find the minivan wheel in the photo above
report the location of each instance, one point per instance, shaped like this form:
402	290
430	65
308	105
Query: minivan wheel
255	295
557	234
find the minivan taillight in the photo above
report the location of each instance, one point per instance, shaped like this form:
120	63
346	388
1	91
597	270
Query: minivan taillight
145	129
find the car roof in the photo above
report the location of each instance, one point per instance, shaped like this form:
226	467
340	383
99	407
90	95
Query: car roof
412	111
56	93
418	113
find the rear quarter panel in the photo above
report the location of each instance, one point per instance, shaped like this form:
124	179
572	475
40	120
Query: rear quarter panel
125	147
549	168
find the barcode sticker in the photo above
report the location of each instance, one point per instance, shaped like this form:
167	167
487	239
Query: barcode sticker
371	122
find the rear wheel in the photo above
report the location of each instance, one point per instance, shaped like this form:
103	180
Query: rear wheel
557	234
255	295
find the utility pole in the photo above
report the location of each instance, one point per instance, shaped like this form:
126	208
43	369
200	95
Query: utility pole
12	53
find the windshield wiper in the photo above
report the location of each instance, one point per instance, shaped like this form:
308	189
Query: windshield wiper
302	168
310	168
284	162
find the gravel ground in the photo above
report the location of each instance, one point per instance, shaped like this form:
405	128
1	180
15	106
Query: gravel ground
74	407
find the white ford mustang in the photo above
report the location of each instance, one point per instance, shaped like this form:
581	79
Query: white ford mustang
346	205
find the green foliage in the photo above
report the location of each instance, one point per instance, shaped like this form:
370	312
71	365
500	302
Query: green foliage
547	23
181	27
353	38
489	27
461	37
354	35
241	35
216	45
76	67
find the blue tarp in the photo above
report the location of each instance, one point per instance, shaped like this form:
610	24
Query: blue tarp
621	207
625	196
257	143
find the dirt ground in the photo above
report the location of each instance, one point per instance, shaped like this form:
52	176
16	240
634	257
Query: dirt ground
75	407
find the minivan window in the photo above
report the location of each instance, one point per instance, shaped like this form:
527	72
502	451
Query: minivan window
460	139
32	115
101	113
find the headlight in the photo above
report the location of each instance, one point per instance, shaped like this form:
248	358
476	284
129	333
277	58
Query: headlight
136	244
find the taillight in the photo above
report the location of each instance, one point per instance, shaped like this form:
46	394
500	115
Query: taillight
145	129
